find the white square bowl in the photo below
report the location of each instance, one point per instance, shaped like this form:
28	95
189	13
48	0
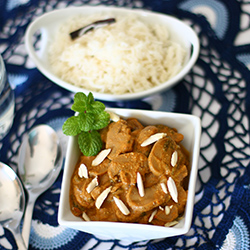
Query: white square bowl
190	127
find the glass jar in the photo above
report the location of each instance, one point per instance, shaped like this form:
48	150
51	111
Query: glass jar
7	102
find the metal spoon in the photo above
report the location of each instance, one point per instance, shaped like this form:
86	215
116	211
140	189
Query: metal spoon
12	203
40	162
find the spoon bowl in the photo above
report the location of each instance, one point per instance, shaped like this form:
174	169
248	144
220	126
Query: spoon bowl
40	162
12	202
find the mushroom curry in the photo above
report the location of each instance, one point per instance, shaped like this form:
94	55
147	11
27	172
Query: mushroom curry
140	176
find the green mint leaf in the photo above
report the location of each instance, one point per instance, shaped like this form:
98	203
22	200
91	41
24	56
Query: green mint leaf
90	98
80	102
90	143
101	120
91	104
91	117
78	107
97	107
86	121
71	126
80	97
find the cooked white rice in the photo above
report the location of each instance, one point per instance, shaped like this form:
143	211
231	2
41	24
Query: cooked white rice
127	56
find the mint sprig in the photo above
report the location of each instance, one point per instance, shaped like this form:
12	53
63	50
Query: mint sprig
91	117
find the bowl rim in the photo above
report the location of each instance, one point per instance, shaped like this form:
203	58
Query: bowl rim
39	22
186	223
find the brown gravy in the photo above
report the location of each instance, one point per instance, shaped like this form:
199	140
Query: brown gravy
159	198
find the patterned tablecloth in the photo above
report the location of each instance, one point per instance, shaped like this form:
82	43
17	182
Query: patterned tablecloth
217	90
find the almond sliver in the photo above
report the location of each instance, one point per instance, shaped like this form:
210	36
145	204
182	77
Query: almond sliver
164	188
167	210
140	185
174	158
153	138
83	171
161	208
172	189
171	223
113	117
101	156
121	206
94	183
85	216
101	198
152	215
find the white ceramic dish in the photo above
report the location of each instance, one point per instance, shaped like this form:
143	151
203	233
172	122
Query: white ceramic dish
190	127
48	24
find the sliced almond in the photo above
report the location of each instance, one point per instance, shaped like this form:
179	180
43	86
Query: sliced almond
140	185
113	117
101	198
174	158
172	189
94	183
83	171
164	188
101	156
85	216
152	215
180	218
153	138
167	210
121	206
161	208
171	223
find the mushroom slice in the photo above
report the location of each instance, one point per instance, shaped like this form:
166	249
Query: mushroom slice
119	138
159	159
101	156
126	166
153	138
154	197
119	203
101	198
172	189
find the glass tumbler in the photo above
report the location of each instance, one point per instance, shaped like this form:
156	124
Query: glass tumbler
7	102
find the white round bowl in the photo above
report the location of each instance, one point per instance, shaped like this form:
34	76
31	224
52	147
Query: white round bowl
49	23
190	127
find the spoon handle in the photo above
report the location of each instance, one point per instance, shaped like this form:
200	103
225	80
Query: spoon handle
20	242
27	222
18	238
